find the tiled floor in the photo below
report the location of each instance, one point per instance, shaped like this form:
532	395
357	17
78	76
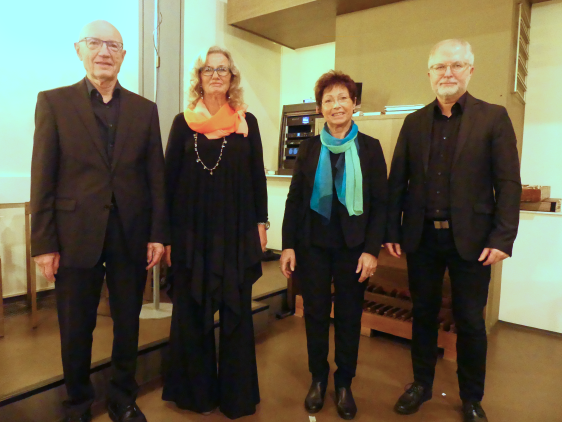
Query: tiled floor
523	384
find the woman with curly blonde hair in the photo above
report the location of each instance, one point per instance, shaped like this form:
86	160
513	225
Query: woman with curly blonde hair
217	198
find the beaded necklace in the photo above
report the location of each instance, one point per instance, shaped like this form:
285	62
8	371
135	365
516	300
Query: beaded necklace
199	160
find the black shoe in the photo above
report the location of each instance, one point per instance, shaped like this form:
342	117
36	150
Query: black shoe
345	403
120	413
315	398
84	417
472	412
412	399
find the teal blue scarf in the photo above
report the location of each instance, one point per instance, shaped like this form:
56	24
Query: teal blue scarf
349	181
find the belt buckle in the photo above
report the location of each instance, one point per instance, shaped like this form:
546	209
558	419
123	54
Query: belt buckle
441	224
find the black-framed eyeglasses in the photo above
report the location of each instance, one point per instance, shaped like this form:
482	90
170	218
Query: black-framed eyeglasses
208	71
96	44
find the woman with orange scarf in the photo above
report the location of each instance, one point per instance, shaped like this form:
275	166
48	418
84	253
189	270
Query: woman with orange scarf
217	198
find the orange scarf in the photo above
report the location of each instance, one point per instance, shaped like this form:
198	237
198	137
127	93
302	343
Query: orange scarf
222	124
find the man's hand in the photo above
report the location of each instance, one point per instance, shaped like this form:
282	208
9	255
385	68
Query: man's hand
168	255
263	236
367	265
394	249
154	252
48	264
493	255
287	262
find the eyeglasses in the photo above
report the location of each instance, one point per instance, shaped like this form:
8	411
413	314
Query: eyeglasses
440	68
208	71
96	44
330	101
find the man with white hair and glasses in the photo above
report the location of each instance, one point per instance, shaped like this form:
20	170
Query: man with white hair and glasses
98	211
454	191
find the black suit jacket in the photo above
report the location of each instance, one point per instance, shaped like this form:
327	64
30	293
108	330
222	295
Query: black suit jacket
72	181
485	184
367	228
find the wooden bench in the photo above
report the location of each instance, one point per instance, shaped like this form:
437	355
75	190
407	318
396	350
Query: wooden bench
31	270
1	304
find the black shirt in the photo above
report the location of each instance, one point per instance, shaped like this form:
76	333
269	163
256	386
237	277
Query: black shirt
442	150
329	234
107	115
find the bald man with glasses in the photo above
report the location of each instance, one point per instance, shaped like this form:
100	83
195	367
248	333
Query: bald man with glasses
454	191
98	211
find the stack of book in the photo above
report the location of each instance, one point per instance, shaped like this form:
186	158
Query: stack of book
537	198
402	109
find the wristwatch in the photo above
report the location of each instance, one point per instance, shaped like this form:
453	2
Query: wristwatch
266	225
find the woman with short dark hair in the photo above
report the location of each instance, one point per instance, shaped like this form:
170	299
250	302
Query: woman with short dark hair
332	231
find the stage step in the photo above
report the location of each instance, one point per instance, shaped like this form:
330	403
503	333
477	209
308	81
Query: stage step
43	401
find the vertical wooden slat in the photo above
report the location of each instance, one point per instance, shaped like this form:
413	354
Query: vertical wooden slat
147	297
103	307
1	304
31	271
291	293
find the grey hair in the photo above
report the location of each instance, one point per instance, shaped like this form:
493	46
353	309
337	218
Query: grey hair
463	43
235	93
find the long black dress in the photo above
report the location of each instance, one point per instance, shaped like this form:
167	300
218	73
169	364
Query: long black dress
216	257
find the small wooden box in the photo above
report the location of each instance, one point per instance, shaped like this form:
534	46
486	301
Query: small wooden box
535	193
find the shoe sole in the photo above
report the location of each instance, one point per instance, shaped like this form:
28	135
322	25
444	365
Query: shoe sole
411	412
314	410
346	417
115	418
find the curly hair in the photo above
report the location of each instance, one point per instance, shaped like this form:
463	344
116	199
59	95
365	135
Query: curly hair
235	93
330	79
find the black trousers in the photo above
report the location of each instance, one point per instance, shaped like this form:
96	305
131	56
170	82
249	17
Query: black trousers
78	295
469	288
191	379
316	268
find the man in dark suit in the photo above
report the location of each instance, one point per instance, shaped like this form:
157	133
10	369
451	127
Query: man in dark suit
454	191
98	210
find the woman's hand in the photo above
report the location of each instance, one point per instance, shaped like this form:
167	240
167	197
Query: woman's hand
393	249
168	255
367	265
287	262
263	236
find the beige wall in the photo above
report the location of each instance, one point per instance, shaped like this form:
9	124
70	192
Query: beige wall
387	49
301	68
259	61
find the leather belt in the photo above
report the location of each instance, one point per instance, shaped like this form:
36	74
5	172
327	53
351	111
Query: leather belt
441	224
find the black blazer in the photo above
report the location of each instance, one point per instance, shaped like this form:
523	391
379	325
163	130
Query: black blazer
72	181
367	228
485	184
